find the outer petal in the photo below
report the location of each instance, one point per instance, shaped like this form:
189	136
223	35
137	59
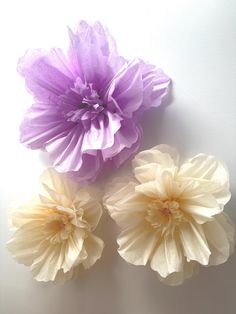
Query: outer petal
91	166
194	243
220	235
126	153
42	124
127	89
47	262
212	173
73	249
174	279
54	186
65	151
45	75
146	163
167	257
93	54
155	85
94	247
25	242
201	207
136	244
92	213
26	213
229	227
126	141
125	205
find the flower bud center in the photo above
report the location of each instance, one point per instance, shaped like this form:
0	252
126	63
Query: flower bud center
164	214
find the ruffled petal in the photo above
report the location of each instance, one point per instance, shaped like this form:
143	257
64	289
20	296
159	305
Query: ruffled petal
148	162
127	89
167	257
65	152
202	207
136	244
47	263
42	124
93	54
73	249
101	134
45	75
194	243
94	247
25	242
90	168
56	189
92	213
162	188
155	86
126	153
174	279
229	227
213	174
125	206
126	142
220	235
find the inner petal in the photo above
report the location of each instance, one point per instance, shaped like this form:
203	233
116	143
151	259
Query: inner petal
84	103
164	215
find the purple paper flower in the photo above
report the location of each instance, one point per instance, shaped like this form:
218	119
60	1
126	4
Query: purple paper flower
87	102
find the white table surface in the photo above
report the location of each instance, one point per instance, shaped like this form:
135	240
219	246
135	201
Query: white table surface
195	43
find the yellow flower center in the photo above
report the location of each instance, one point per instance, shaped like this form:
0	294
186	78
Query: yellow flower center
60	223
57	227
164	215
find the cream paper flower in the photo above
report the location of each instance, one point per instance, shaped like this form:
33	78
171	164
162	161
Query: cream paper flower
54	232
171	214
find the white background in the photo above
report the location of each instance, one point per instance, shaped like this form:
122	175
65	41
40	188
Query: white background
195	43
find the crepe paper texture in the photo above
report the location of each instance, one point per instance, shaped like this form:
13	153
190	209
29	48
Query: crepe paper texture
171	215
88	102
54	232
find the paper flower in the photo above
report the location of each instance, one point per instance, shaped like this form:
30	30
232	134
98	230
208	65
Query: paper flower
171	214
88	102
54	232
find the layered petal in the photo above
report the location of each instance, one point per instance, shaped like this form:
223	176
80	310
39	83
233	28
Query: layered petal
220	235
101	134
136	244
212	172
94	247
194	243
127	89
46	75
93	54
190	269
167	257
147	163
43	124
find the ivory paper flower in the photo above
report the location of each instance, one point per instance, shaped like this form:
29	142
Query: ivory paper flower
171	215
87	102
54	233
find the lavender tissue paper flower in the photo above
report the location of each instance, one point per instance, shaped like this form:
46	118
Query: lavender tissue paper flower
87	102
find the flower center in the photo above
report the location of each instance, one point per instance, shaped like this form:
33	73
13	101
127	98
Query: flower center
60	224
164	215
87	103
57	227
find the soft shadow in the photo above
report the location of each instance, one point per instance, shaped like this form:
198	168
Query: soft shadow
44	159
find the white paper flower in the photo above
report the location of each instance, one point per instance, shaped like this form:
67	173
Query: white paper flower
54	232
171	214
